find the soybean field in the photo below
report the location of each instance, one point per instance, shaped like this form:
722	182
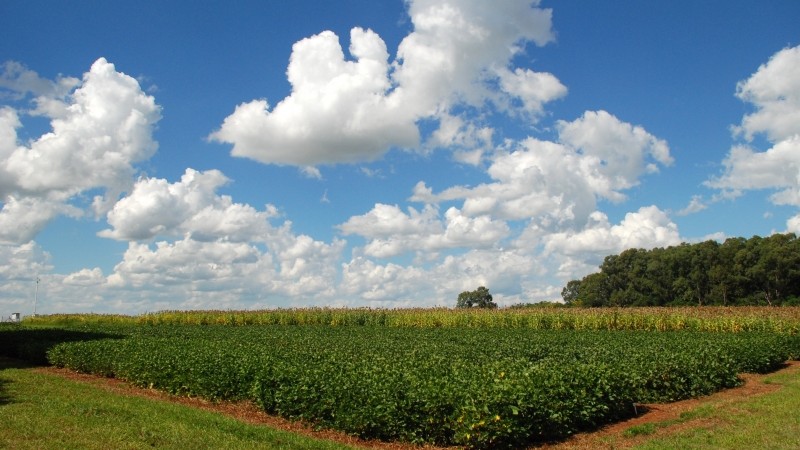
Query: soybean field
504	379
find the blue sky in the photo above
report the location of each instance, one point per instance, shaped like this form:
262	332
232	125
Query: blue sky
174	155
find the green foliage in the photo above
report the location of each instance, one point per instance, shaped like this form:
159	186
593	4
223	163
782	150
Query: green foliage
755	271
473	387
479	298
45	411
32	344
538	305
571	292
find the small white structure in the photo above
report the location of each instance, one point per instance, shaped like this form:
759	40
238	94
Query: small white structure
15	317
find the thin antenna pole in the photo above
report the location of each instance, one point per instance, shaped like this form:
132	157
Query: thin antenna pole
36	296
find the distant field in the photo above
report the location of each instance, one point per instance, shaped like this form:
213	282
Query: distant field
478	379
709	318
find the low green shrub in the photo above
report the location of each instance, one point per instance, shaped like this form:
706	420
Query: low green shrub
475	387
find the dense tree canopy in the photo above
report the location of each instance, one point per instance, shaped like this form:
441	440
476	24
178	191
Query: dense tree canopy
479	298
755	271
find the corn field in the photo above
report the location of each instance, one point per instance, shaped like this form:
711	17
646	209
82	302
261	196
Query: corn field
711	318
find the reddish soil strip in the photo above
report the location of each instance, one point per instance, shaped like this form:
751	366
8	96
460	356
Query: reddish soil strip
608	437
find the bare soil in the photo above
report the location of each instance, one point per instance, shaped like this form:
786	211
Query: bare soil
667	416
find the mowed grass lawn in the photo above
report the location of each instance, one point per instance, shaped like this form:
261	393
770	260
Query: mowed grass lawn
765	414
45	411
41	410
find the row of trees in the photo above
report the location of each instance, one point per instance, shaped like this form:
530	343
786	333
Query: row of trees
755	271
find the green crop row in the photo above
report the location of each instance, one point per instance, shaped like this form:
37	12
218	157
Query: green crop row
476	387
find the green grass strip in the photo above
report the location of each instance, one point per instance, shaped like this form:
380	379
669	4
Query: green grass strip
767	421
43	411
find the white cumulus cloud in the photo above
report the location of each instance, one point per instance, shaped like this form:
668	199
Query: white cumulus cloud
558	183
190	207
774	90
649	227
531	89
21	219
85	277
23	262
393	232
20	265
579	250
617	152
338	110
776	168
293	266
99	130
351	110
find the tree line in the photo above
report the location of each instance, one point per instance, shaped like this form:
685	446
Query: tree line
739	271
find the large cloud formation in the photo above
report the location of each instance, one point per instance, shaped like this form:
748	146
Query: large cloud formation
597	157
774	91
188	246
343	110
536	218
220	243
189	207
454	67
100	127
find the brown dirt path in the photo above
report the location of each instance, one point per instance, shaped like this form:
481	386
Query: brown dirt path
609	437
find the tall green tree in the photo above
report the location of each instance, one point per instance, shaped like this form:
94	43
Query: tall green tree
776	265
479	298
594	290
571	293
703	258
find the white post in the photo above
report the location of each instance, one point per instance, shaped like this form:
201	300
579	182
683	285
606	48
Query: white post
36	296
